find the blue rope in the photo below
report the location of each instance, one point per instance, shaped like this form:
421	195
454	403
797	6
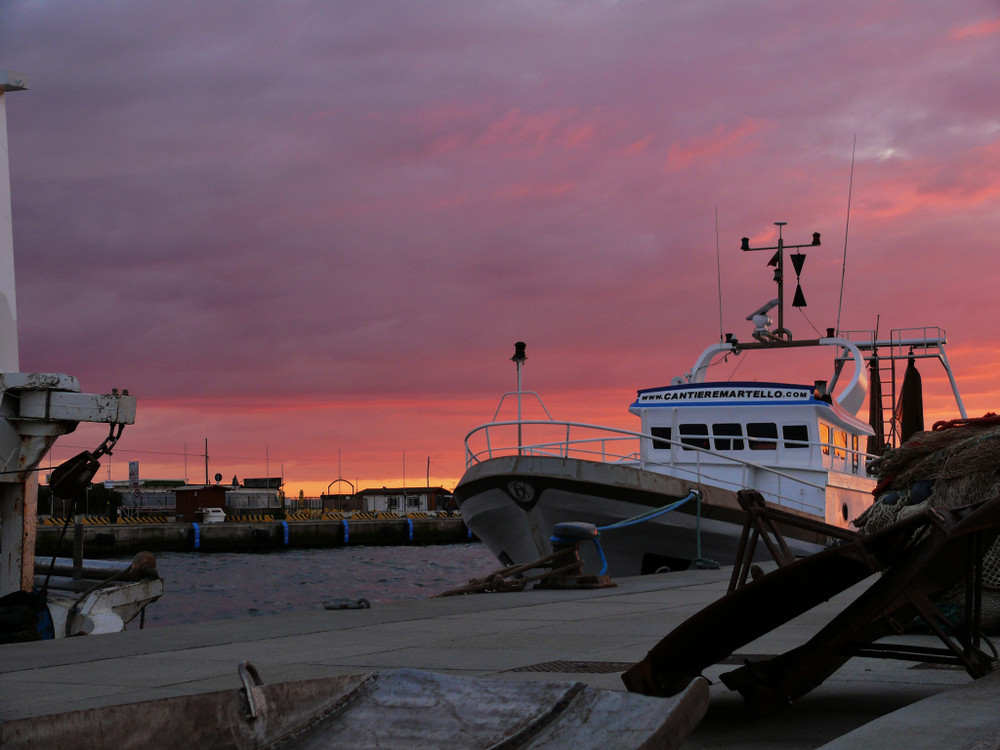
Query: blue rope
604	560
649	515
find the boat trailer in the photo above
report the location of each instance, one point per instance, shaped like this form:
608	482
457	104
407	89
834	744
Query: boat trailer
919	558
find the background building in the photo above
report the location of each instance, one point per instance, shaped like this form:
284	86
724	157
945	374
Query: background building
406	499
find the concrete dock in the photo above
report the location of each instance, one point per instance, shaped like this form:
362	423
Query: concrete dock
587	636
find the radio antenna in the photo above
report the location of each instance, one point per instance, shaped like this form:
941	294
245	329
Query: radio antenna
718	264
847	229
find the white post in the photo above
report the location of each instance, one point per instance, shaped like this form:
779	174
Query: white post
18	509
9	361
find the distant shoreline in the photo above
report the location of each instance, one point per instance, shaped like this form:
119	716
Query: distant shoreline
111	539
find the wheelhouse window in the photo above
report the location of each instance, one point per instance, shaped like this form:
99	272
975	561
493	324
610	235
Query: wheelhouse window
763	436
840	443
694	435
728	436
824	438
795	435
660	432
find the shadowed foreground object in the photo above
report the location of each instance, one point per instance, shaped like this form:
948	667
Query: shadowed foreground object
397	709
920	558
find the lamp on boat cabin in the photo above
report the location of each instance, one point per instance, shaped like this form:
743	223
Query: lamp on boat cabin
820	391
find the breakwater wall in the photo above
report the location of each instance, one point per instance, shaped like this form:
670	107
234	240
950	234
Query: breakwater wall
238	536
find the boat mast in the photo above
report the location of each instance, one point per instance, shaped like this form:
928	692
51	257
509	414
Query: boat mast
778	261
518	360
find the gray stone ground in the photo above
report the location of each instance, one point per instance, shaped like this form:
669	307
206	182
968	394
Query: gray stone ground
531	635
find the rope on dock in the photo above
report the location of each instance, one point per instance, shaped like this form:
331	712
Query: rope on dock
511	578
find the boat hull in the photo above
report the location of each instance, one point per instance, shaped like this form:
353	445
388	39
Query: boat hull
394	709
512	503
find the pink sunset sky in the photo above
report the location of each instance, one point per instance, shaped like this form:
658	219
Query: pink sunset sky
310	232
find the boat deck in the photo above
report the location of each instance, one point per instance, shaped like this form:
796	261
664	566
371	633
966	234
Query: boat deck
587	636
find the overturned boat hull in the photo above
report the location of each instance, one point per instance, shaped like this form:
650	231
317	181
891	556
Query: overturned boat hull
396	709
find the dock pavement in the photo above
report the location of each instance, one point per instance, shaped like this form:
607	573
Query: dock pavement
589	636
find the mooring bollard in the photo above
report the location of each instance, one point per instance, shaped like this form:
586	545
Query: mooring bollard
566	539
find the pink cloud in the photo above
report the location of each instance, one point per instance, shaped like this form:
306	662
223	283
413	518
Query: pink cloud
936	189
721	141
637	147
535	190
985	27
515	129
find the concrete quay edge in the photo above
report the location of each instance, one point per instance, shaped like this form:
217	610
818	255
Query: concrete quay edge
551	636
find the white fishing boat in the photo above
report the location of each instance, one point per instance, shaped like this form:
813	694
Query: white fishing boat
663	497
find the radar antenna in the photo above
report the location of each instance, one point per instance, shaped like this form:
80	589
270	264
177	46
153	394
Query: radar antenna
782	334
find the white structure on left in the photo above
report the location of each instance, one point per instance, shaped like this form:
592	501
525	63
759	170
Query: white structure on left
35	408
8	301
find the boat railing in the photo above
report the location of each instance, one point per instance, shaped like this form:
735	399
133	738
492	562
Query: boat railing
564	446
926	342
519	395
621	446
900	341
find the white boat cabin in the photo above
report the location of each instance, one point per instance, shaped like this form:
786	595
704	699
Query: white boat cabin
790	441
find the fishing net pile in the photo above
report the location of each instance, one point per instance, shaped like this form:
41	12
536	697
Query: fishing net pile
955	463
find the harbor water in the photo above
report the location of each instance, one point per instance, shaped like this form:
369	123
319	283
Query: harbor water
201	587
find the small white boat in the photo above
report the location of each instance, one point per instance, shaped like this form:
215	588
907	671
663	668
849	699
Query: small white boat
801	446
107	596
